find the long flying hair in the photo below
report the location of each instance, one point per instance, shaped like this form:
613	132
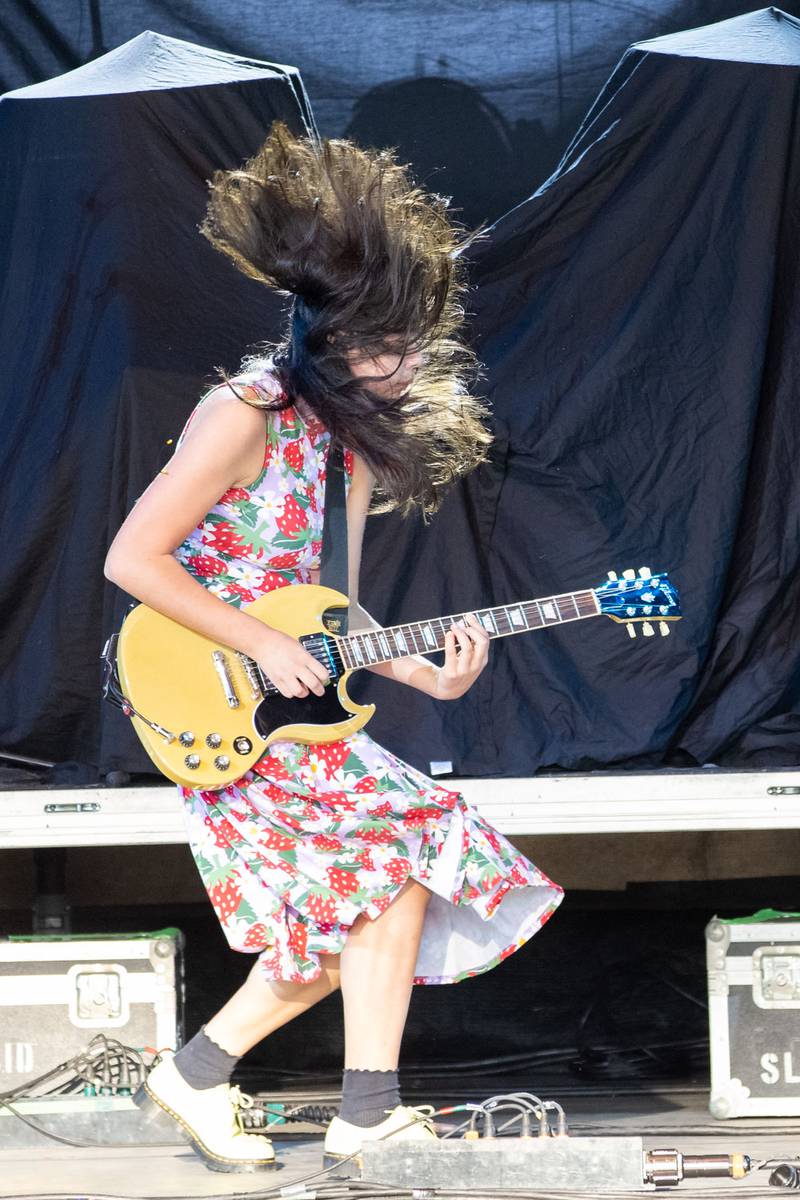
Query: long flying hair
374	265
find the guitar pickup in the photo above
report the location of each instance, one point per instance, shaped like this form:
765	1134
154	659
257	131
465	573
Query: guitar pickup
250	670
224	675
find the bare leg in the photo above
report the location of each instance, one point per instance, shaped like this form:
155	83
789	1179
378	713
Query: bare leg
263	1005
377	968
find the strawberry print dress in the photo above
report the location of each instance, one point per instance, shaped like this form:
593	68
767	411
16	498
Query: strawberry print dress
312	836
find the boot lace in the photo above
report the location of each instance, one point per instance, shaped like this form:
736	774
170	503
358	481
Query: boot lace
423	1114
241	1101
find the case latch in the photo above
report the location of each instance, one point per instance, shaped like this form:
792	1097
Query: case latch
776	976
98	995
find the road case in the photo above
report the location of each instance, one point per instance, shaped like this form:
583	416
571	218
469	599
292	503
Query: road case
754	1014
57	993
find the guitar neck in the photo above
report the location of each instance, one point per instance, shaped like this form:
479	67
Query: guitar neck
370	646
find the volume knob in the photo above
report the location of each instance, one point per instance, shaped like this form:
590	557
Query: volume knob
213	740
186	738
222	762
192	761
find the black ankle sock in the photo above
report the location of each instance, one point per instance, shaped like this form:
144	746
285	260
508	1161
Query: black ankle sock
204	1064
366	1094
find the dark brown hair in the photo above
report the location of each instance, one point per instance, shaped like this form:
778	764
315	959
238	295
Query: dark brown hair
374	265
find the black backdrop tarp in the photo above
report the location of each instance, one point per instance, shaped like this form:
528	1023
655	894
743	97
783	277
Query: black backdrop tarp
456	86
113	314
638	320
635	318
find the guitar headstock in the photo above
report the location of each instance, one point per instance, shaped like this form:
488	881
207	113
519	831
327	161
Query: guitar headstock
645	598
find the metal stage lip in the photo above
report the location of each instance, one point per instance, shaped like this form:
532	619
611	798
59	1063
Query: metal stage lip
599	802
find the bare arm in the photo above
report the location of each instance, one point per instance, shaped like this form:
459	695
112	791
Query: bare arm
466	649
140	559
405	669
466	655
217	453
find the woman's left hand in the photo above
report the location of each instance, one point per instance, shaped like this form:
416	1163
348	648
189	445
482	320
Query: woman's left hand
466	653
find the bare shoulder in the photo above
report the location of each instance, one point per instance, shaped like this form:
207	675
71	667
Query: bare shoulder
362	480
231	405
230	427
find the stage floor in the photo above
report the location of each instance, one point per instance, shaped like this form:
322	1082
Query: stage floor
663	1118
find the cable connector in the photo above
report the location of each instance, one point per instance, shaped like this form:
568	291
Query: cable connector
667	1168
473	1133
561	1129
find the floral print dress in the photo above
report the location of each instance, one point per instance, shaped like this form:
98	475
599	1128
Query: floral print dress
312	836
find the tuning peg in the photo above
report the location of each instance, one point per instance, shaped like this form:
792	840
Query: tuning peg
612	575
663	628
629	574
647	629
645	573
631	629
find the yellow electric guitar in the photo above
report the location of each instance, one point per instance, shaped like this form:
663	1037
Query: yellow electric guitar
206	713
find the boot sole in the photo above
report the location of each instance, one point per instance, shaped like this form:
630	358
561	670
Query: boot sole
143	1098
343	1166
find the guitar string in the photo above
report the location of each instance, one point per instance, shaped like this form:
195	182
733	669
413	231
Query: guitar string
322	651
373	645
497	621
328	649
322	648
331	649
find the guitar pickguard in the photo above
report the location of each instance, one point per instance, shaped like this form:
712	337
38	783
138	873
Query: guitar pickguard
276	711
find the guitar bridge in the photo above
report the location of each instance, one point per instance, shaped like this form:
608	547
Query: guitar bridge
224	675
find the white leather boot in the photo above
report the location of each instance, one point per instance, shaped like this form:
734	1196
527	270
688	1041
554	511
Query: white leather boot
210	1118
403	1122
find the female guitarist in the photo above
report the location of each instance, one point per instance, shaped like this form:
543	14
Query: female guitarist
338	864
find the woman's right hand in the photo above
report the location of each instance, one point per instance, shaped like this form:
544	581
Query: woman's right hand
288	665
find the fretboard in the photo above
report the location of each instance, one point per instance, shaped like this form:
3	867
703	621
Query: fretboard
423	637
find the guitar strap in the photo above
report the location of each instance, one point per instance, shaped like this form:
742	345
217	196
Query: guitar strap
333	557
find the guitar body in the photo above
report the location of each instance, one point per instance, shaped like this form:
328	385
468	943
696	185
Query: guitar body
192	686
